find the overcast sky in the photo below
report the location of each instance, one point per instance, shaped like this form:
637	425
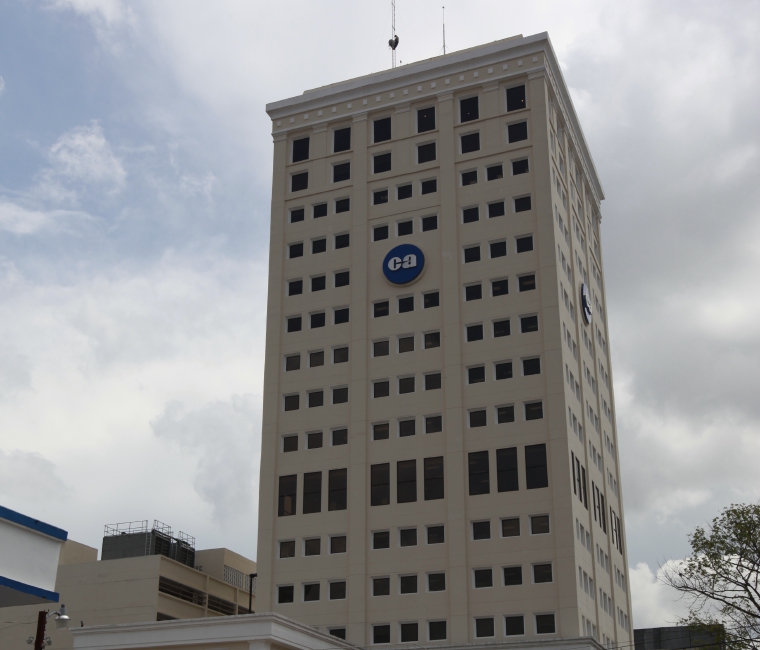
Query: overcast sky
134	197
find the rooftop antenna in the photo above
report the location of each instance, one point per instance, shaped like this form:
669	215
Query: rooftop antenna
444	29
393	43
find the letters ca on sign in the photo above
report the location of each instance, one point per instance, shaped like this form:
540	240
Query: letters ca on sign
407	262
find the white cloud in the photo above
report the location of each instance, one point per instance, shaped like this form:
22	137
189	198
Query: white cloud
654	603
21	221
30	477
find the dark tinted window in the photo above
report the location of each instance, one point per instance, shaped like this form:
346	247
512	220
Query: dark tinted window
381	389
435	535
406	482
286	502
291	402
318	246
381	539
295	250
433	424
300	149
320	210
341	316
340	355
299	182
316	359
522	204
312	547
340	395
437	629
433	381
381	634
408	585
478	418
496	209
545	624
426	152
429	223
380	233
477	463
430	186
405	304
431	299
494	173
520	167
484	578
406	385
340	437
316	399
337	490
518	131
433	478
472	254
296	215
406	428
342	205
470	214
382	163
498	249
534	411
288	549
504	370
285	594
473	292
342	140
512	576
499	287
295	287
506	469
515	98
379	197
536	475
294	324
380	309
539	525
529	324
404	192
338	544
405	228
380	349
542	573
501	328
341	241
514	625
470	178
382	129
339	632
436	581
341	172
426	119
527	282
319	283
481	530
381	431
470	142
510	527
531	366
381	587
505	414
432	340
409	631
524	244
476	375
474	333
483	626
337	590
380	494
317	320
468	109
314	440
290	443
341	279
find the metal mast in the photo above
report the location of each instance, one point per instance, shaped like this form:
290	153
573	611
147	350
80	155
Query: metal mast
444	29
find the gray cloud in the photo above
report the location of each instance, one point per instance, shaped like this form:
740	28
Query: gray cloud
31	477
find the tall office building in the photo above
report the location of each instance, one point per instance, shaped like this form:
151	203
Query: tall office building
439	452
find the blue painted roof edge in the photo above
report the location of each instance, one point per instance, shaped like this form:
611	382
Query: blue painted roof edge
52	596
34	524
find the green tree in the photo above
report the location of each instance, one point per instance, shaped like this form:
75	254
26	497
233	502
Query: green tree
721	579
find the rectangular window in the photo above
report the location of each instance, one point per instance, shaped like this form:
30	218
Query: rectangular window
300	149
405	385
381	587
532	366
477	463
429	186
317	320
381	389
312	547
380	349
515	98
342	241
338	632
433	381
285	594
528	324
435	535
318	246
481	530
483	578
342	279
409	631
527	282
405	304
405	228
510	527
498	249
425	152
408	536
514	626
293	362
536	474
341	140
437	630
472	254
474	333
473	292
318	283
314	440
522	204
430	223
337	488
517	132
381	539
470	215
338	544
319	211
382	128
379	197
288	549
381	431
524	244
545	624
501	328
404	192
381	163
468	109
470	178
286	503
406	428
379	233
512	576
476	375
340	355
292	402
341	172
496	209
433	424
539	525
341	316
406	344
494	173
506	469
316	359
534	411
431	299
520	167
478	418
381	634
295	250
296	215
339	437
289	443
406	481
503	370
499	287
337	590
380	484
299	182
408	585
340	395
436	582
426	119
294	324
433	470
312	492
505	414
432	340
380	309
470	142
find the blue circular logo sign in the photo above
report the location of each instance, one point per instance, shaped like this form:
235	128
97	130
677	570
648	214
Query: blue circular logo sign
586	304
403	264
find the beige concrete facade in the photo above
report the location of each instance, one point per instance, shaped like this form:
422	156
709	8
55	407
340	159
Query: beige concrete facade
129	590
585	591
